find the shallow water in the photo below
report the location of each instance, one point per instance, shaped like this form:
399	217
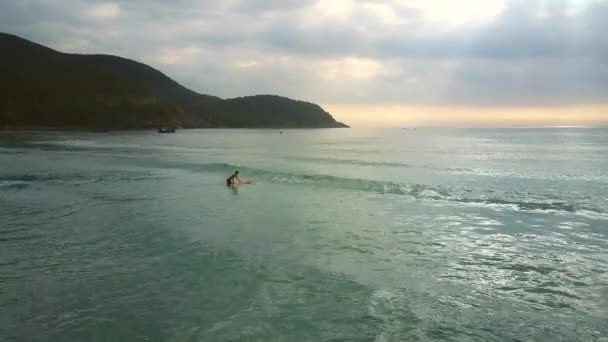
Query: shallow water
347	235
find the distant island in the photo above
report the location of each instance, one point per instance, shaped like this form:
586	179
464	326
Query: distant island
44	88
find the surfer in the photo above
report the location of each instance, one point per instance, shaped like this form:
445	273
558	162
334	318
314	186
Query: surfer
231	181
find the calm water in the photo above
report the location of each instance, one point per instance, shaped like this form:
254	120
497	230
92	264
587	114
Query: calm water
348	235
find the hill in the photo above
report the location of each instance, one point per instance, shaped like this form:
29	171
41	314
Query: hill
41	87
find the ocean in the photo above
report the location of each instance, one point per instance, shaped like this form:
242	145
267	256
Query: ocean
347	235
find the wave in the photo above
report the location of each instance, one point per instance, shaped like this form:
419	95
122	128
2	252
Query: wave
11	184
599	177
352	162
516	201
531	202
366	185
378	163
22	181
26	178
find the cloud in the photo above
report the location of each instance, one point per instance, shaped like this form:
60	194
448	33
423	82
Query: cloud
427	52
103	11
458	12
386	14
178	56
351	68
247	64
269	6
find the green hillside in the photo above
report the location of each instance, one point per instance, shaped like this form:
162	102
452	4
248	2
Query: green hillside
41	87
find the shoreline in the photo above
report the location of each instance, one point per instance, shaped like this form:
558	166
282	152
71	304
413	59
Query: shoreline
92	130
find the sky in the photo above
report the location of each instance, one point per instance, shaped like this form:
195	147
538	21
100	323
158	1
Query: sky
368	62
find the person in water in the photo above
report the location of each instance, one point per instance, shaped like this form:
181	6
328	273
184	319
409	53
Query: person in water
231	181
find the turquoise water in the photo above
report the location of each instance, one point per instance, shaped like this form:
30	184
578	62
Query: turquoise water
347	235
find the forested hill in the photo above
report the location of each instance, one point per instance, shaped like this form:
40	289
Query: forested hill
41	87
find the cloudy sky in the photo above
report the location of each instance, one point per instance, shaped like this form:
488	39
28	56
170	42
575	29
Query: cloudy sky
369	62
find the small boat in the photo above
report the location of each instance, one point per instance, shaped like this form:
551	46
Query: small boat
166	130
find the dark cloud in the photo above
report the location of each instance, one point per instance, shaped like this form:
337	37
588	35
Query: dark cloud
533	52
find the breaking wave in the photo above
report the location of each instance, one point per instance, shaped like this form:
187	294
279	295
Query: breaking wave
419	191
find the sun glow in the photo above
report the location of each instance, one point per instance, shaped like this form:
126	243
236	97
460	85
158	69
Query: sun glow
403	115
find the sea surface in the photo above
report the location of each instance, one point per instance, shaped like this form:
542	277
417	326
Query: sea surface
346	235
